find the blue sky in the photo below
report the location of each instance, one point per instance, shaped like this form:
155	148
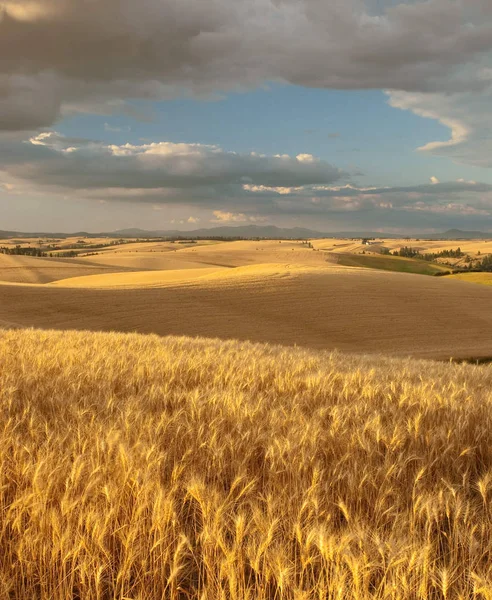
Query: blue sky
347	128
357	115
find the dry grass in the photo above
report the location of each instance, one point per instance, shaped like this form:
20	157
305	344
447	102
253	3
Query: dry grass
139	468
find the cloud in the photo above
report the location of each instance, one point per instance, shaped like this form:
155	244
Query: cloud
28	101
433	56
386	204
239	187
449	208
229	217
461	186
188	221
58	57
467	114
112	129
50	159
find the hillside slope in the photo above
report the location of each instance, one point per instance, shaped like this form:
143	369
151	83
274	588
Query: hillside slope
354	310
29	269
137	467
161	256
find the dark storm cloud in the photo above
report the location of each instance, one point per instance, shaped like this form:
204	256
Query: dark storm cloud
61	55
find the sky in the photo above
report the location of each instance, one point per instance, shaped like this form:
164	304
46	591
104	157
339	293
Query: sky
338	115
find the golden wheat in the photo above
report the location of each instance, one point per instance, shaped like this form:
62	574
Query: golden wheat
133	467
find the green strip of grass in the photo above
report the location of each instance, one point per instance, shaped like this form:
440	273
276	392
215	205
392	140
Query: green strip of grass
390	263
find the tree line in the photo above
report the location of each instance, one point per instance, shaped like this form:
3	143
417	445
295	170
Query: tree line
409	252
37	252
484	264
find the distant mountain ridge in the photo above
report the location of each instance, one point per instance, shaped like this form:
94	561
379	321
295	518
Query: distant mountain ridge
273	232
246	231
458	234
253	232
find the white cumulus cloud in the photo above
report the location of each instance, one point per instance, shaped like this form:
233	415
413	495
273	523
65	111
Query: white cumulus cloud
221	216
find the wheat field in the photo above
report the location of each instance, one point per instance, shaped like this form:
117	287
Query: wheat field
135	467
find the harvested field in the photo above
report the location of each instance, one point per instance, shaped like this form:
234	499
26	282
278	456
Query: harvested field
355	310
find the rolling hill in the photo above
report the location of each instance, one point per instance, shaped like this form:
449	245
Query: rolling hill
29	269
350	309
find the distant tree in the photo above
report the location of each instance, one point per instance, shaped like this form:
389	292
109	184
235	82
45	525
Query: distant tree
407	252
485	264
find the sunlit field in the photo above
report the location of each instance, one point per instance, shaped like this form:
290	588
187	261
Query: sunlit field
320	294
481	278
326	307
137	467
